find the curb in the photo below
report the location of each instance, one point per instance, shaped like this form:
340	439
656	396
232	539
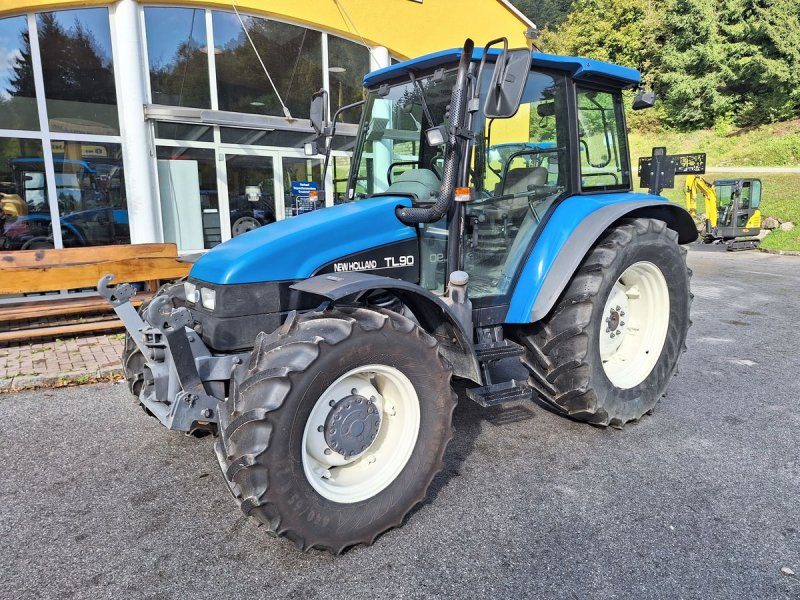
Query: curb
781	252
29	382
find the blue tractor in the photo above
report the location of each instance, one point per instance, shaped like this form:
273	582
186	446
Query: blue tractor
323	349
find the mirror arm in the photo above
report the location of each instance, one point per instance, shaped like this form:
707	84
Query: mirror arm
330	132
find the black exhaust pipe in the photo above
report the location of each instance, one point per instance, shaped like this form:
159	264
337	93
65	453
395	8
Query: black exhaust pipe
458	101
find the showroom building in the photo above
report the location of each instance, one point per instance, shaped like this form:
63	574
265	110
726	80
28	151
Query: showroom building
134	122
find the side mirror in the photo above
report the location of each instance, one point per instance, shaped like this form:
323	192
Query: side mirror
507	84
644	99
317	112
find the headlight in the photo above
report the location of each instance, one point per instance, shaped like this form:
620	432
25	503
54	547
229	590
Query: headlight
190	290
209	298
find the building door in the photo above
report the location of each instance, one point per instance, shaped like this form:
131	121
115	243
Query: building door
251	192
258	187
302	177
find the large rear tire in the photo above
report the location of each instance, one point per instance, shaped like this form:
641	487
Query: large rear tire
607	351
336	426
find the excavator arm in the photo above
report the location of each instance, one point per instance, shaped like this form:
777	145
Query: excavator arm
694	184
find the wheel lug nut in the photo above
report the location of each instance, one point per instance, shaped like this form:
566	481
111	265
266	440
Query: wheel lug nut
612	336
622	314
321	428
354	391
332	402
328	451
608	329
622	323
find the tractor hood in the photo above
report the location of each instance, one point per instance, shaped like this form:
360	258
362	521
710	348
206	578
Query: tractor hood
295	248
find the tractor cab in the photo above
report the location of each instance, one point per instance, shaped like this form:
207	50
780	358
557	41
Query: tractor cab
526	131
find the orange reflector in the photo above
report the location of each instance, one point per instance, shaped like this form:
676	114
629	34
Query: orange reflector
313	194
463	194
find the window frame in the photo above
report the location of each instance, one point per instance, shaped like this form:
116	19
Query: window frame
625	157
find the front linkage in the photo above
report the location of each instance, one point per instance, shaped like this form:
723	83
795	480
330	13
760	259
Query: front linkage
179	368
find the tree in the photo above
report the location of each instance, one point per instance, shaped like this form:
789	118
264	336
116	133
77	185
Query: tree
693	68
21	82
619	31
763	51
544	13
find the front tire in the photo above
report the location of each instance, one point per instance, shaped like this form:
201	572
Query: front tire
336	426
607	351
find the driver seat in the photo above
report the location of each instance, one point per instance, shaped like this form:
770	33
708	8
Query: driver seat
518	180
421	183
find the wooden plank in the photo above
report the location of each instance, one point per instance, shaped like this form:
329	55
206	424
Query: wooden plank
56	308
44	279
74	256
60	330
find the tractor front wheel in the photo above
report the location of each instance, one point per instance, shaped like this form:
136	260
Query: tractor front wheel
607	351
336	426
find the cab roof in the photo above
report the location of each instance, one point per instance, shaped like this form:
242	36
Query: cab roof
583	69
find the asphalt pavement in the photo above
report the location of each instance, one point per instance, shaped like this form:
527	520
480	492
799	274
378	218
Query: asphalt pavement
699	500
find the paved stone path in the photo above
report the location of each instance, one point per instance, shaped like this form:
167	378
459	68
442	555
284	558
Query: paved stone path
60	361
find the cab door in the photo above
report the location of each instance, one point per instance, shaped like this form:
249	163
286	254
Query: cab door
748	215
737	206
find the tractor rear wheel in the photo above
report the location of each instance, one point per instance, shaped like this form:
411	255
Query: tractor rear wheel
336	426
607	351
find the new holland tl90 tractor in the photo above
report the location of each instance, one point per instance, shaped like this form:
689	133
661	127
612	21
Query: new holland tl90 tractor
489	218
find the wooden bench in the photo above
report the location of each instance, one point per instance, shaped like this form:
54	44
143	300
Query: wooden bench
32	271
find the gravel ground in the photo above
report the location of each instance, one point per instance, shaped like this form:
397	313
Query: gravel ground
700	500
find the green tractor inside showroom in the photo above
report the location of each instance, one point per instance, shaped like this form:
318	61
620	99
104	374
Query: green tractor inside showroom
489	219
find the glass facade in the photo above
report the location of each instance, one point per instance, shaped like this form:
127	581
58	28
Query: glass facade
187	182
75	46
90	187
60	191
17	91
177	51
25	216
62	172
347	64
292	55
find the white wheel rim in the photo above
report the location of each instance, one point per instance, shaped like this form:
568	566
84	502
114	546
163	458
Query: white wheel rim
353	479
635	323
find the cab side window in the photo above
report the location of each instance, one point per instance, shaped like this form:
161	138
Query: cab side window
602	142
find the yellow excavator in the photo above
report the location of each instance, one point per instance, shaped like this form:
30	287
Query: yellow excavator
731	209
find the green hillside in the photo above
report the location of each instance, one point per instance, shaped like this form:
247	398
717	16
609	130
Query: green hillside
773	145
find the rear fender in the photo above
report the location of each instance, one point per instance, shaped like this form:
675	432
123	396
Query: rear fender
568	236
433	315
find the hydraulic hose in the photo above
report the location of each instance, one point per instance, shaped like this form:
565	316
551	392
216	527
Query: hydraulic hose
414	215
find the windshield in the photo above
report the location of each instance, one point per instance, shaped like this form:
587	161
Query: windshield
392	139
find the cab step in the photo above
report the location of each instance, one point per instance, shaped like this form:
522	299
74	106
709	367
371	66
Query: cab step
499	350
501	393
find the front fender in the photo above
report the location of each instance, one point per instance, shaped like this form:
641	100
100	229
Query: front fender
568	236
434	316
